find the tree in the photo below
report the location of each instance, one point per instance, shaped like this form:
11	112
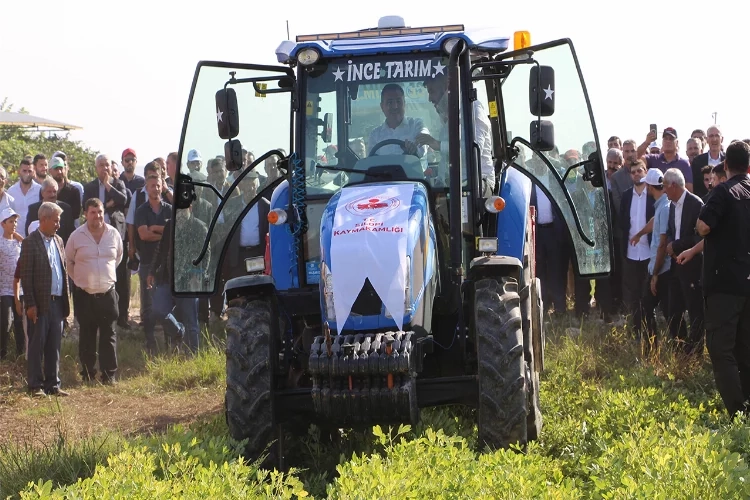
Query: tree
17	142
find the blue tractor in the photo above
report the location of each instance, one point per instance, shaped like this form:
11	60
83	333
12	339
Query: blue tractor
398	270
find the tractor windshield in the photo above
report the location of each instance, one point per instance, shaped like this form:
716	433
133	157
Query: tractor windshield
382	115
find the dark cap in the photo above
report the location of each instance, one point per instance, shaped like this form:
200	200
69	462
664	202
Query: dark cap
670	131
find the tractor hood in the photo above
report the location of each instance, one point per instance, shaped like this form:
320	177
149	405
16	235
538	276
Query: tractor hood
369	232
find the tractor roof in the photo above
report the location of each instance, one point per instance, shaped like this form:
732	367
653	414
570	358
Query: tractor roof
392	37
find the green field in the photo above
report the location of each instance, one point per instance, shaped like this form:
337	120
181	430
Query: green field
616	425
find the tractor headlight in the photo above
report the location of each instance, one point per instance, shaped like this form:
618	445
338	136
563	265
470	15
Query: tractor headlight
309	56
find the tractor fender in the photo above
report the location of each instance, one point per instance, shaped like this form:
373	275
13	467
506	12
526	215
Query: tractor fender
512	221
495	266
254	285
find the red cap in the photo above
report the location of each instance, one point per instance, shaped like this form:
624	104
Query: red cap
129	151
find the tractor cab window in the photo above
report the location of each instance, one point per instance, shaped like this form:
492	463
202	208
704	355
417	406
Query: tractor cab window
563	169
201	258
381	116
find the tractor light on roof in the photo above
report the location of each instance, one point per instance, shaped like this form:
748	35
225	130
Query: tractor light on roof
449	44
308	56
277	216
521	40
494	204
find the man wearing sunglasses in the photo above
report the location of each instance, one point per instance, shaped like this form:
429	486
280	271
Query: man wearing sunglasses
132	181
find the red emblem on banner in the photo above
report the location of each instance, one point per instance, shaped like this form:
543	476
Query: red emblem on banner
369	207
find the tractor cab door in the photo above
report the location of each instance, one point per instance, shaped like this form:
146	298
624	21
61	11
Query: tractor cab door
237	126
553	140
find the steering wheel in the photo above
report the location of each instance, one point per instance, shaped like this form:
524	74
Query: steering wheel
388	142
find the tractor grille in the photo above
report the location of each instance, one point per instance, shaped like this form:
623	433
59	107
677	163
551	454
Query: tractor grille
368	303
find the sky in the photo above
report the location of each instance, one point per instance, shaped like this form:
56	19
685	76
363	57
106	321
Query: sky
123	70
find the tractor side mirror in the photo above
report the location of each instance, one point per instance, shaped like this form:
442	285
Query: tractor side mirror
327	133
593	171
542	91
233	155
227	113
184	191
542	135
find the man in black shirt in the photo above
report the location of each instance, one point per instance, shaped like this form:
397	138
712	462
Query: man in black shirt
65	191
724	222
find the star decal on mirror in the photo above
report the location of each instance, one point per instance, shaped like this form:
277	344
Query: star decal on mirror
548	92
219	114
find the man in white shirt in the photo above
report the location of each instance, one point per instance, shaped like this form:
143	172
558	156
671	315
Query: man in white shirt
92	253
6	200
396	125
437	91
636	210
24	193
250	240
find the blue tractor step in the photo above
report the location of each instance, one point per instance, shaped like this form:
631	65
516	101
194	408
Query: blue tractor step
365	378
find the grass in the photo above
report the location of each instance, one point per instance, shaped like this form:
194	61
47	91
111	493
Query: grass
618	424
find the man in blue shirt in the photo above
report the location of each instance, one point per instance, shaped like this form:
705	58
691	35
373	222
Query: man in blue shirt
659	267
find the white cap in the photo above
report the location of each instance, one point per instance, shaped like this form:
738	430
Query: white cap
194	155
653	145
7	213
654	177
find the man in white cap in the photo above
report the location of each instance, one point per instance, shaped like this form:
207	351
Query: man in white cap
659	266
75	184
195	164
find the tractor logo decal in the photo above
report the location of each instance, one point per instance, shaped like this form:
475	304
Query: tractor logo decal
372	206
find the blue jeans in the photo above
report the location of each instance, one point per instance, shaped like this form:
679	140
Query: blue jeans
165	307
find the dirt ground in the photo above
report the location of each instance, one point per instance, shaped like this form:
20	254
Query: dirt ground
94	409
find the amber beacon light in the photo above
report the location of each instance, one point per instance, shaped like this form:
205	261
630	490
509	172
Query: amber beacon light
521	40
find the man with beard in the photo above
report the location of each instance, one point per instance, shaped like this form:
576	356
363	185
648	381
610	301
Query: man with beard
40	168
131	180
65	191
24	193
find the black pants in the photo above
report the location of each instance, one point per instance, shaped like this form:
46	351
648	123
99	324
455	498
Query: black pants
101	316
122	286
728	341
686	293
9	317
635	273
551	264
645	315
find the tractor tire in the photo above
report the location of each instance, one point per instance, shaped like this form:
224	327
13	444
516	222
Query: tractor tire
503	399
248	400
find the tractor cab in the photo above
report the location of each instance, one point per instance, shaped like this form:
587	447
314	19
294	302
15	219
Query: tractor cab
368	217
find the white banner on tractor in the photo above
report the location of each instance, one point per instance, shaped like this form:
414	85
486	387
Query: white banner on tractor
369	241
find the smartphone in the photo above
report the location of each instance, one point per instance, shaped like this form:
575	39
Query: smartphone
653	128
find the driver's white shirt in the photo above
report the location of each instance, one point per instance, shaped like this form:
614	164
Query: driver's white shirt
407	130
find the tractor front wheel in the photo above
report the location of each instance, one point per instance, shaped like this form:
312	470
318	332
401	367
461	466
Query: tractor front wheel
248	400
501	364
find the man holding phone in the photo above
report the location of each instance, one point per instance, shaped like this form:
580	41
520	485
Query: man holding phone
669	157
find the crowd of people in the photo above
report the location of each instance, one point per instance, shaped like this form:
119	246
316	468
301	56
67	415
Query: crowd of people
66	241
681	243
